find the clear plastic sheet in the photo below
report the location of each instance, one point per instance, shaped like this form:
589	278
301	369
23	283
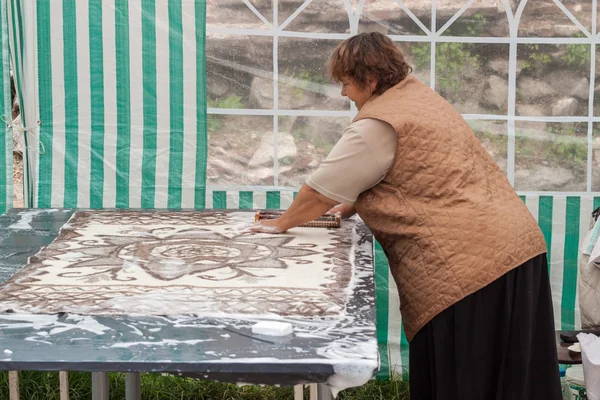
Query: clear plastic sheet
114	116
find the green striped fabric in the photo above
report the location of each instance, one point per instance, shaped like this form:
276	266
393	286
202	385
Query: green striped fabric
382	308
248	198
120	94
564	221
6	156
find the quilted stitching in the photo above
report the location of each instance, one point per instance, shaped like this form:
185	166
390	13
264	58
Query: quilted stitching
446	215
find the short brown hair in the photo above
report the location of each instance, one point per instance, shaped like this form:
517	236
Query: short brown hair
369	55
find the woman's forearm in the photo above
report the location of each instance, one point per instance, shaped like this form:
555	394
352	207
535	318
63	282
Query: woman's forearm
307	206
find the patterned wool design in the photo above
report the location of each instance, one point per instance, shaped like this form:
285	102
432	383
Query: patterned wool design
174	263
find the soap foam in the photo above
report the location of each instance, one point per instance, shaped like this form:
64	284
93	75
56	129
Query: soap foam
272	328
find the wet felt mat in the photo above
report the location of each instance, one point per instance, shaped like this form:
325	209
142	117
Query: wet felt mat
177	263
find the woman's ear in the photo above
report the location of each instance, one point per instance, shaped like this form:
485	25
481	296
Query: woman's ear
372	84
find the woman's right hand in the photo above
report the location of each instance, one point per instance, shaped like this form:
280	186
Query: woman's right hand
346	210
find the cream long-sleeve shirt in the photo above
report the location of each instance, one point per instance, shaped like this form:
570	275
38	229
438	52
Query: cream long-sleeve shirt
359	161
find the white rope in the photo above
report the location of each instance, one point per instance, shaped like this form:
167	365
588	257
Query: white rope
17	127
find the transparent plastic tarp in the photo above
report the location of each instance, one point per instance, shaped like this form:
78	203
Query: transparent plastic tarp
115	112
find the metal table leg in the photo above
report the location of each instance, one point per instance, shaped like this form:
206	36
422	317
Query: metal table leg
132	386
99	385
313	392
13	385
299	392
63	379
323	392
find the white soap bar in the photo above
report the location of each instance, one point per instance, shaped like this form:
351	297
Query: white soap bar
271	328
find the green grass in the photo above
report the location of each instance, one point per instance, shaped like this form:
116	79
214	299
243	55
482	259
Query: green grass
44	386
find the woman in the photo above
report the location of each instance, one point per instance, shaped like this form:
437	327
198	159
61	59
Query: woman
467	256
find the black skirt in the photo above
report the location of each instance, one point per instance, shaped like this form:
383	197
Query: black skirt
496	344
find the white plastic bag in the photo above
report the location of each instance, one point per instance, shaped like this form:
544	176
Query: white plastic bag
590	355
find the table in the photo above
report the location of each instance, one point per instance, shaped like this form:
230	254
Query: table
565	356
341	352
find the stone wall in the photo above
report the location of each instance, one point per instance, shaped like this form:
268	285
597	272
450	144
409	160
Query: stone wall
552	80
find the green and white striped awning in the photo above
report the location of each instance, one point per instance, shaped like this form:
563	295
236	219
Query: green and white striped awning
113	94
6	150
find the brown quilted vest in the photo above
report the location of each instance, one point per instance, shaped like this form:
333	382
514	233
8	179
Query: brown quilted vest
447	218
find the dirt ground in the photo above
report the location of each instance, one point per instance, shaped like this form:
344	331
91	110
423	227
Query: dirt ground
17	181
